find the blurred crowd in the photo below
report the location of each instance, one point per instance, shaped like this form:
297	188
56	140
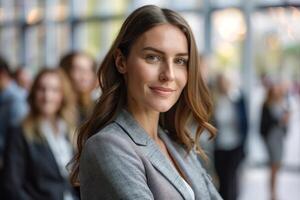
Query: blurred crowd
39	116
38	119
231	118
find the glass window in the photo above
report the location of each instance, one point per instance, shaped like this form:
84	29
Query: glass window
96	37
33	11
270	2
57	10
277	43
35	47
19	10
9	44
228	33
225	3
139	3
187	4
294	1
99	7
111	7
57	42
7	10
197	23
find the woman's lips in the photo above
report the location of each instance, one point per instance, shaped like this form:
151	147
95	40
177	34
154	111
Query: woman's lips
162	91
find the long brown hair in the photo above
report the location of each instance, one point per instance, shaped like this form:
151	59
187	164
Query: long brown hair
193	104
67	110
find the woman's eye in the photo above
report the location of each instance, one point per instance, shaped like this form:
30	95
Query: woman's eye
153	58
181	61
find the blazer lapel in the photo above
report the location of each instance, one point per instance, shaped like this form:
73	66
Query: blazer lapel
151	151
189	165
44	153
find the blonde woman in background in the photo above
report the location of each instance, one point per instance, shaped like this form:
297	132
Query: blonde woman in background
40	149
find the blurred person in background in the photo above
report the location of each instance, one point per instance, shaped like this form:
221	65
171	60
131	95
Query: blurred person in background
273	128
23	78
39	150
206	141
81	69
230	118
13	105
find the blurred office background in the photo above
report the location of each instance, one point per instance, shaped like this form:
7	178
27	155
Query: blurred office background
249	40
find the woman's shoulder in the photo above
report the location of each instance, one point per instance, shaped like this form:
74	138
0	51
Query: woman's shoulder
111	139
109	149
110	132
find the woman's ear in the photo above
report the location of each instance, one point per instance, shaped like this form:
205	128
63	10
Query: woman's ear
120	61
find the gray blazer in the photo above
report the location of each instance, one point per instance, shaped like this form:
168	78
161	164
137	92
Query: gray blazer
123	162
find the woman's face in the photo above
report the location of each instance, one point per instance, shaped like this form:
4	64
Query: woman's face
49	96
82	74
156	69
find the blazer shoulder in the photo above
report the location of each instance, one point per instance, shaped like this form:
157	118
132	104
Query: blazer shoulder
110	132
111	140
110	167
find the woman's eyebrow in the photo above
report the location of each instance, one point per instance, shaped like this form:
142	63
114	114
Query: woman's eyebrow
153	49
161	52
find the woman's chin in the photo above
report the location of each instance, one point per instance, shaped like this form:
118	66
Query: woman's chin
162	108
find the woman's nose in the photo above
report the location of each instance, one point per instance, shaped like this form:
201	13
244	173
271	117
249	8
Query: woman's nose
167	72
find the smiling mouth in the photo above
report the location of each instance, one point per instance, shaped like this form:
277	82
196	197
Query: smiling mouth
162	91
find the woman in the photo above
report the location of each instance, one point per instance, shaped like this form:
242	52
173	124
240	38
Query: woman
81	69
230	118
40	149
273	127
136	144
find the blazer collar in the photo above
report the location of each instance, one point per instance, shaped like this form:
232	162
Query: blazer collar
132	128
189	165
147	145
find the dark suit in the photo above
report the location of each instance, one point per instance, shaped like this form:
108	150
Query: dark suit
31	171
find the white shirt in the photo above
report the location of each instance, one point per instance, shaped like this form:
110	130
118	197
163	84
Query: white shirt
189	189
228	137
